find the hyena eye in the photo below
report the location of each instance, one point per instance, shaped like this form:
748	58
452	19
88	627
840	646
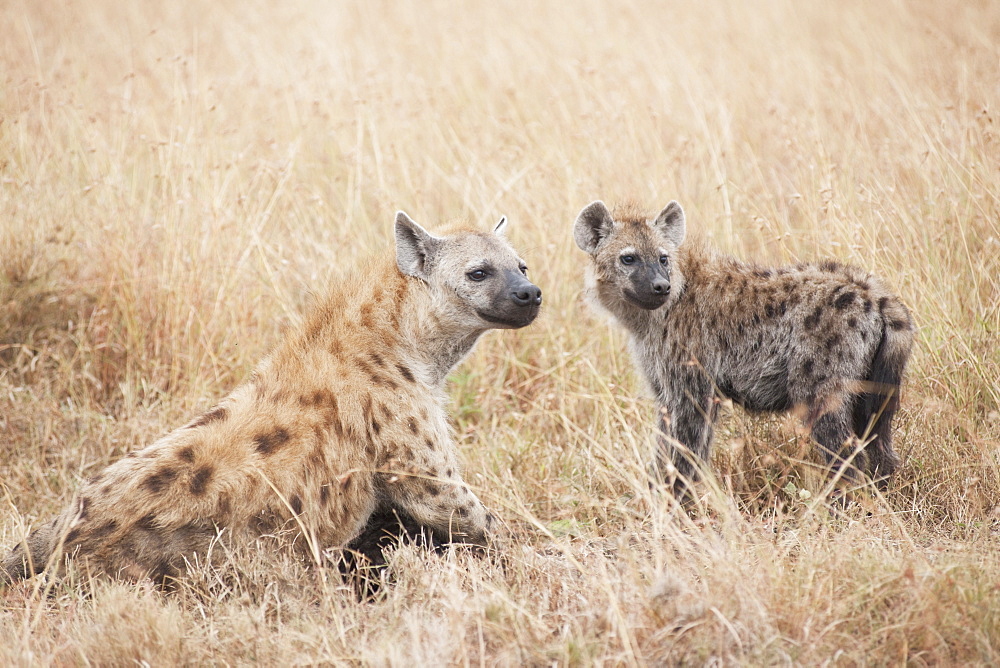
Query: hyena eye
628	259
477	275
524	270
663	260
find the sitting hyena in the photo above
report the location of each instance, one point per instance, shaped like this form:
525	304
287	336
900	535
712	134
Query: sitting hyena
346	417
824	338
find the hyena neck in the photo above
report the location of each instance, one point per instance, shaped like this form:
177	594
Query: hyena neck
392	314
430	337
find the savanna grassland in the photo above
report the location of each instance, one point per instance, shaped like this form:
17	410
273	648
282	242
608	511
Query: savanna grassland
180	181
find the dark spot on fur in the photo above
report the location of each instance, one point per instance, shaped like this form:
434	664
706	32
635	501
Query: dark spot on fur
296	503
324	495
864	285
376	427
833	340
405	373
867	305
199	481
813	319
162	572
829	265
224	507
186	454
377	360
844	300
898	324
762	273
412	424
72	536
769	310
432	488
429	443
158	481
463	511
103	531
807	367
147	522
852	322
268	442
882	303
217	414
448	473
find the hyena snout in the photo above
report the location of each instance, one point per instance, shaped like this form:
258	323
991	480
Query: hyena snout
649	288
524	300
524	293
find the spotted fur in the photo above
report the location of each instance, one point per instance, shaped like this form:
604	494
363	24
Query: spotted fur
344	418
826	339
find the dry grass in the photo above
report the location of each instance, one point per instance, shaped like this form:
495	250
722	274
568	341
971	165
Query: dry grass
178	180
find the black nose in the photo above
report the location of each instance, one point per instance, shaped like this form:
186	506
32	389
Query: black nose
528	295
661	286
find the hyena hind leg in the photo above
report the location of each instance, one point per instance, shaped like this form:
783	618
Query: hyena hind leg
835	436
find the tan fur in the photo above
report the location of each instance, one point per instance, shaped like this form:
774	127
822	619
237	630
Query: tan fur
345	415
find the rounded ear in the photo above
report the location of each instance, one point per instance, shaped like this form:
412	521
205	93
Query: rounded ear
501	227
415	246
593	225
671	223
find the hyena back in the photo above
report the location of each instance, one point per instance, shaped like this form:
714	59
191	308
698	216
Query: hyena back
823	338
346	417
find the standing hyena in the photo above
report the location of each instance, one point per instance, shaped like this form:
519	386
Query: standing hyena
346	417
824	338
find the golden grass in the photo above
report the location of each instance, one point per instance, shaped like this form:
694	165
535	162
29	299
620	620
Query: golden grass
180	179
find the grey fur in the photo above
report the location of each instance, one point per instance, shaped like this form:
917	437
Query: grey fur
825	339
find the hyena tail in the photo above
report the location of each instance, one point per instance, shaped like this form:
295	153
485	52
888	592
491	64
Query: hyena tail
874	408
29	557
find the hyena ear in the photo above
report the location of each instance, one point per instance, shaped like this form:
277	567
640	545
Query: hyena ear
415	247
592	225
671	223
501	228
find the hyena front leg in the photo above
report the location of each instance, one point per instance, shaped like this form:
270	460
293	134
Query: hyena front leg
686	425
436	497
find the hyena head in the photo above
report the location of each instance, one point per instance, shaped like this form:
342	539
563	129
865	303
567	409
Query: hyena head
477	278
634	258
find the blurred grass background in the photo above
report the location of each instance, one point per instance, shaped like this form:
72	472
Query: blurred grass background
181	181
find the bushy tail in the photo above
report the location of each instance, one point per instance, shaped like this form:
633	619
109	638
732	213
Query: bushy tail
29	557
875	408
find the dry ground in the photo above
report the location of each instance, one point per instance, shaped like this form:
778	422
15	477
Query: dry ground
179	179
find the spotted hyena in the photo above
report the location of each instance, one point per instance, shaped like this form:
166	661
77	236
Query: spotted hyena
827	339
344	419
